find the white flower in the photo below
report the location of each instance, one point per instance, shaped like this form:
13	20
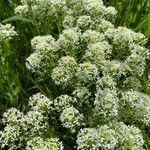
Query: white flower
68	22
94	7
10	136
106	103
65	70
22	10
105	82
87	72
129	137
63	102
110	12
71	118
12	116
40	102
87	139
124	37
44	44
7	32
98	52
34	123
83	94
137	105
92	36
33	62
107	138
116	68
84	22
38	143
69	41
137	59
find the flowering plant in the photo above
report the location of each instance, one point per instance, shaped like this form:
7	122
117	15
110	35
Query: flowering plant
95	69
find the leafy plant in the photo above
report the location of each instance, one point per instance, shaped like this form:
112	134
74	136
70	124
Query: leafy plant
87	75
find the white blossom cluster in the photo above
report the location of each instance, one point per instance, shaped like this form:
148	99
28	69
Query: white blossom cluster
98	53
34	123
106	103
65	70
136	106
117	136
87	72
45	49
63	101
129	137
7	32
40	102
27	129
123	37
69	40
71	118
12	116
38	143
83	94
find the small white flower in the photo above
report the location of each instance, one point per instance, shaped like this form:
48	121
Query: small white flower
71	118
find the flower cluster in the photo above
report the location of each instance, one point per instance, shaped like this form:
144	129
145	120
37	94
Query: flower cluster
45	49
71	118
106	103
63	101
87	72
116	136
40	102
135	107
24	129
7	32
65	70
37	143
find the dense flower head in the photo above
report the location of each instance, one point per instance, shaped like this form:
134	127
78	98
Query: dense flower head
40	102
123	37
116	136
107	138
86	139
71	118
39	143
98	52
65	70
68	21
116	68
33	62
129	137
44	44
82	93
136	104
10	136
6	32
84	22
92	36
12	116
68	41
34	123
106	103
106	82
22	10
87	72
63	102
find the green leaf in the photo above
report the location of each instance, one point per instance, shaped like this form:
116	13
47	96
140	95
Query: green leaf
15	18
